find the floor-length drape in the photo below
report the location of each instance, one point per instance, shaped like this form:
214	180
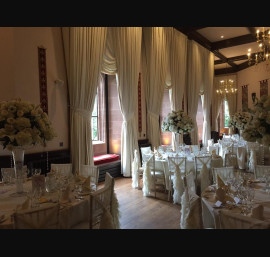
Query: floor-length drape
194	80
178	64
232	99
208	80
216	104
154	70
84	48
127	49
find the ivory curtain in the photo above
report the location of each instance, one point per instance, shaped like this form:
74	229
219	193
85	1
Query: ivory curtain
232	100
84	48
216	104
177	62
194	80
154	70
207	87
127	49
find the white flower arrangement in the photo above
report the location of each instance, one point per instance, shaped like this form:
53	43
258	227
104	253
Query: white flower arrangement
240	120
177	122
23	124
259	127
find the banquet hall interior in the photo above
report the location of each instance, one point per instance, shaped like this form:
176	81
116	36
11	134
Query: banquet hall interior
134	128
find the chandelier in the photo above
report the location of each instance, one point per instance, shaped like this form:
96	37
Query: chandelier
263	40
226	88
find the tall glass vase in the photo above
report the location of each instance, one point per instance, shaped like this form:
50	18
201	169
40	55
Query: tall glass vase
178	141
18	159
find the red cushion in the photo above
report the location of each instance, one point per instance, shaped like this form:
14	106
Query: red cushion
105	158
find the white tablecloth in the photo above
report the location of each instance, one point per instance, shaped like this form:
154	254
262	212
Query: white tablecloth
71	213
211	214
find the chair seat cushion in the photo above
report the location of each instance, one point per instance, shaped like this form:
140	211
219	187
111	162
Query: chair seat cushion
105	158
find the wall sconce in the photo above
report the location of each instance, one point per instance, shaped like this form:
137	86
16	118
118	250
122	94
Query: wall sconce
59	82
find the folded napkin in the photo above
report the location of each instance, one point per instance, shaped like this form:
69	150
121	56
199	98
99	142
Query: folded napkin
220	183
222	196
257	212
86	183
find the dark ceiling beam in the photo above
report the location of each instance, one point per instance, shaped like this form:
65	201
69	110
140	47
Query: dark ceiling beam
187	30
252	30
224	59
249	38
194	35
226	70
233	59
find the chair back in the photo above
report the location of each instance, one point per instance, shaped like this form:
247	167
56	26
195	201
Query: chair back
65	169
93	172
191	209
100	199
38	218
145	151
177	163
231	160
225	173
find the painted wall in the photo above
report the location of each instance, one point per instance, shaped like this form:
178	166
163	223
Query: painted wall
19	75
252	77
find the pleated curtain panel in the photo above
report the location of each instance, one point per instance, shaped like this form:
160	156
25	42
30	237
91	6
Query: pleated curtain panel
154	68
167	61
84	49
177	64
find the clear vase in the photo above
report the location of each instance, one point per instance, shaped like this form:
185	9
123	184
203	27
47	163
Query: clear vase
18	159
178	141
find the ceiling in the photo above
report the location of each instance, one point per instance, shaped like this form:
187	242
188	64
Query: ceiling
229	44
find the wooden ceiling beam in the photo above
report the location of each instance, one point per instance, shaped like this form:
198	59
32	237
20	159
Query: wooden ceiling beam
226	70
233	59
252	30
249	38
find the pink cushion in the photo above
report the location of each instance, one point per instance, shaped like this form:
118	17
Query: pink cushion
105	158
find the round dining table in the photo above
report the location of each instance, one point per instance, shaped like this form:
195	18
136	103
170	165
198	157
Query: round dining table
72	212
210	211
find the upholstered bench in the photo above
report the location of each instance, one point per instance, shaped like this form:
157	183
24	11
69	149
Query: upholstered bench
108	163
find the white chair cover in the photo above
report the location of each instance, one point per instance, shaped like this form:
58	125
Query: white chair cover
93	172
225	173
191	213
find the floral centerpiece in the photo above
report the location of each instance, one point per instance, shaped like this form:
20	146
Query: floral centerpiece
239	120
23	124
259	127
178	122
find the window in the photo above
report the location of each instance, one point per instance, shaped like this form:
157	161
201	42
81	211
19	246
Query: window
98	115
95	120
226	114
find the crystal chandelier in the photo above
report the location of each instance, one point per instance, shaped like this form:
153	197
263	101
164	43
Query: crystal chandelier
226	88
263	40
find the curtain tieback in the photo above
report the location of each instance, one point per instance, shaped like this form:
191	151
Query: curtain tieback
152	114
83	112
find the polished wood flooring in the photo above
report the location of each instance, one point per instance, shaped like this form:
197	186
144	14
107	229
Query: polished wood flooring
140	212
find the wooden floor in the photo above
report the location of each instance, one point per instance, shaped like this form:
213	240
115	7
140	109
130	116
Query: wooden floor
140	212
